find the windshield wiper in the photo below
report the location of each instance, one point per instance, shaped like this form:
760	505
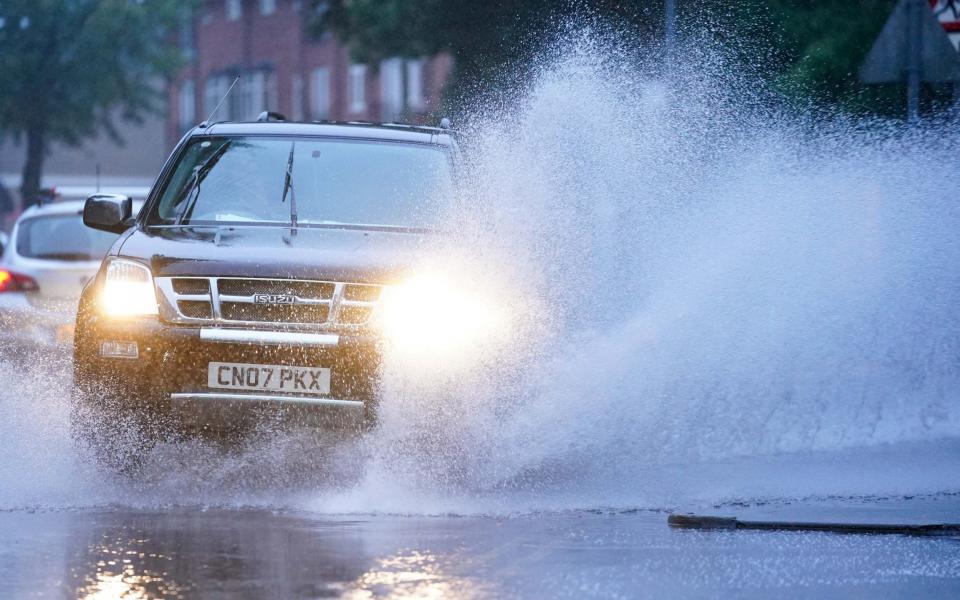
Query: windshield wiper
199	173
288	185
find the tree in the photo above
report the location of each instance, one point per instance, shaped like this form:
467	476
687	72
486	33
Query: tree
820	46
69	66
488	39
810	50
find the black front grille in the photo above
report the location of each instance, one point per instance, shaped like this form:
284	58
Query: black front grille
318	290
275	313
362	293
269	301
195	309
355	315
191	286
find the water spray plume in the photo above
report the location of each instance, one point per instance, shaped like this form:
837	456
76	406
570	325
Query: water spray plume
707	278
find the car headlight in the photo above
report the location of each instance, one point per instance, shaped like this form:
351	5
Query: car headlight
128	290
432	317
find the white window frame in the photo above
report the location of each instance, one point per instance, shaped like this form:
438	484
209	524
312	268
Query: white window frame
185	35
416	99
251	88
320	93
213	91
234	9
258	92
391	89
296	97
186	104
357	88
270	95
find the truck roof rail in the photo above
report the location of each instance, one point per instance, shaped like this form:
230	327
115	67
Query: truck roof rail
269	115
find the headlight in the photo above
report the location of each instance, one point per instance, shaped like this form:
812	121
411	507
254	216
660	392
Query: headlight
431	317
128	290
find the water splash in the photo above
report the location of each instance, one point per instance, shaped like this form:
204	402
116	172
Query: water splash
714	289
723	278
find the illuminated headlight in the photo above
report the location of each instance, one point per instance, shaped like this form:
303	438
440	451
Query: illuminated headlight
426	316
128	290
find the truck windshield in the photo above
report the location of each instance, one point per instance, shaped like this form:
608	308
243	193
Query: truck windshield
61	237
244	180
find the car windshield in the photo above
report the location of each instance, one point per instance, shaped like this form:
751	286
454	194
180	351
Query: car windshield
244	180
61	237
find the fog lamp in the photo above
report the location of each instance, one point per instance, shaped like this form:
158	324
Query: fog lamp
128	290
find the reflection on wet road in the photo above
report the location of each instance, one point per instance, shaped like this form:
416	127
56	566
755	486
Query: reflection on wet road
255	553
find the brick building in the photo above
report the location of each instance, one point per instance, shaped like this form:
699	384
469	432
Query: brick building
285	69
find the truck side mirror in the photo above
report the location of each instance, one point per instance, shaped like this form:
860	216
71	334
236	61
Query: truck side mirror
108	212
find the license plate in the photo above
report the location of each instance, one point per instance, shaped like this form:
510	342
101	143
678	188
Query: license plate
268	378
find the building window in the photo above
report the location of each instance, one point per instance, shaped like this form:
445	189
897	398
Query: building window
213	91
186	107
185	35
258	92
251	86
415	98
320	94
268	7
234	9
296	97
401	88
270	91
391	89
357	88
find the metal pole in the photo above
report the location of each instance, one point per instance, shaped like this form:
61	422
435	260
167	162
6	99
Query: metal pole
914	64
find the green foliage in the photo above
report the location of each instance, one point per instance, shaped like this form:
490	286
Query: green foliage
821	46
66	63
489	40
811	50
68	66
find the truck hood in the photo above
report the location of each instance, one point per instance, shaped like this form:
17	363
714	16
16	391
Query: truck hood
362	255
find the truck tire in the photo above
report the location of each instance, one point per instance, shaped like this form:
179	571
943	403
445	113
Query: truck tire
112	418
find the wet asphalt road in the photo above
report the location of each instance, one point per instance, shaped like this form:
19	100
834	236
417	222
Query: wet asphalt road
81	547
256	553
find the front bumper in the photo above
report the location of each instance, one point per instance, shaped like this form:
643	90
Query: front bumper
171	365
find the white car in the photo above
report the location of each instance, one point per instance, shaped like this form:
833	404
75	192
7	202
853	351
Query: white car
50	256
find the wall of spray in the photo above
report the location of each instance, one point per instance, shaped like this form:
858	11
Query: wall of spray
714	276
701	282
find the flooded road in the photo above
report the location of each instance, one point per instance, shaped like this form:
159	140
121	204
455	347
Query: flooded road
726	307
256	553
286	517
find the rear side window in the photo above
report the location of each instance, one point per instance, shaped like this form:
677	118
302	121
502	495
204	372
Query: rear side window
62	237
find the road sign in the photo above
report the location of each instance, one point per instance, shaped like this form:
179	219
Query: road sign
912	47
948	13
894	56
